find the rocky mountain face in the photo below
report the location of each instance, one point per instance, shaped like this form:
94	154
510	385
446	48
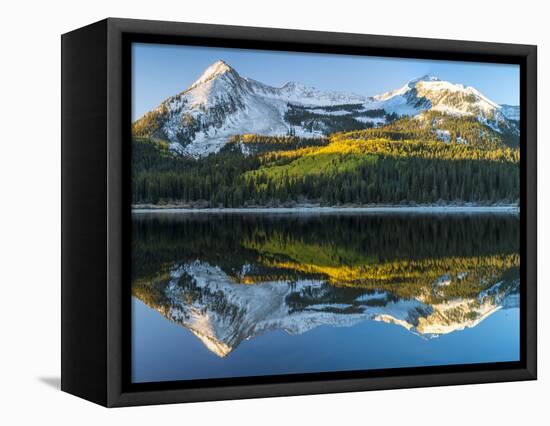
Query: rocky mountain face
221	104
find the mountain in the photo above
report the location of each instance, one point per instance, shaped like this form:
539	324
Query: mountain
431	93
511	112
222	314
221	103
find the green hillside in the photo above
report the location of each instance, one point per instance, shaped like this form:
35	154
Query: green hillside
429	159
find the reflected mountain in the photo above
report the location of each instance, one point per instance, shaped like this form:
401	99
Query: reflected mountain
231	278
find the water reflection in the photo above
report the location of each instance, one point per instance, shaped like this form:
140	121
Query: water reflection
230	278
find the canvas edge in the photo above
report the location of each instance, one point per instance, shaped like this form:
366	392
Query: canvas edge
83	213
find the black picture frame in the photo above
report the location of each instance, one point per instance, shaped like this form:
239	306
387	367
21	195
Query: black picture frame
96	213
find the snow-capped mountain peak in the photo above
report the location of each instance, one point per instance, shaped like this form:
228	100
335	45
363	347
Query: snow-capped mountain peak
410	85
459	100
431	93
294	85
426	77
216	69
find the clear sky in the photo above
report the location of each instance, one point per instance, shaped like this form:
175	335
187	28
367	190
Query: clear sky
160	71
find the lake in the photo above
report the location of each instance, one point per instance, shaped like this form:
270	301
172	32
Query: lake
219	295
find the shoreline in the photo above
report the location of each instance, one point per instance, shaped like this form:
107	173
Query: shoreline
502	209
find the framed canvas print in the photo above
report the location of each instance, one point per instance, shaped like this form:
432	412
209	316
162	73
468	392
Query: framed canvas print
255	212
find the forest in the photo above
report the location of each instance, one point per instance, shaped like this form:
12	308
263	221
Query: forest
406	162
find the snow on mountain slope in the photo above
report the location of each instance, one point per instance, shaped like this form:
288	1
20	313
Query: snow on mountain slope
403	101
225	314
511	112
214	70
431	93
222	313
220	104
300	94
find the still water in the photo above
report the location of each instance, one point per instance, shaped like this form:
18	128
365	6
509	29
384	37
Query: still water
226	295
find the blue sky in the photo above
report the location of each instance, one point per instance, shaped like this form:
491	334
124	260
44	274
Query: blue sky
160	71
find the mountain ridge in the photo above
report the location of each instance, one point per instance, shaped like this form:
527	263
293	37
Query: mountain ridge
221	103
